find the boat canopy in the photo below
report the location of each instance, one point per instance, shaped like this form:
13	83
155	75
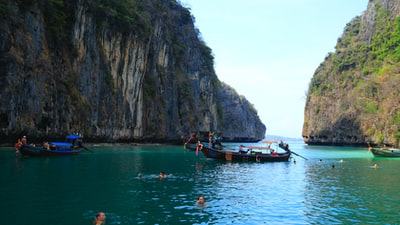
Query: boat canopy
74	136
61	144
271	141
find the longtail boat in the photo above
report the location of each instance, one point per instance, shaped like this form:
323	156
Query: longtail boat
72	145
253	153
385	152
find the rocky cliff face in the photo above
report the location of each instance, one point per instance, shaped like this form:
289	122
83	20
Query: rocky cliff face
89	66
232	110
353	98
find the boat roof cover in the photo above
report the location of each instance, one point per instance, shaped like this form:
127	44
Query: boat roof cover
61	143
271	141
73	136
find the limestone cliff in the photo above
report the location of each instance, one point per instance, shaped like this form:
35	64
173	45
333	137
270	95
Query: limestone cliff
353	97
128	70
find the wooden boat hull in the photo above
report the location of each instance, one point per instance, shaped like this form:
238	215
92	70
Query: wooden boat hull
41	151
385	152
244	157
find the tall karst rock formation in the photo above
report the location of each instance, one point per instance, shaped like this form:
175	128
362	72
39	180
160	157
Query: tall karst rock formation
354	95
127	70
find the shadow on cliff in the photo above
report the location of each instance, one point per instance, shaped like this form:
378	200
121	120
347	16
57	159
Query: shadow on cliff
344	132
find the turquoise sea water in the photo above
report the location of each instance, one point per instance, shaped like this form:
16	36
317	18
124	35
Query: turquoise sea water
320	190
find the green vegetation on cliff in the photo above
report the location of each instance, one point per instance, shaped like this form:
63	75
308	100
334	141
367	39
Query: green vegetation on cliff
353	95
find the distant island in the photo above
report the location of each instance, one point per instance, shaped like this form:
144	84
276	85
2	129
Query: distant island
285	139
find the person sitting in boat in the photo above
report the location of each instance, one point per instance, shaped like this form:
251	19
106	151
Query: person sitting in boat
284	145
46	145
216	141
274	153
243	151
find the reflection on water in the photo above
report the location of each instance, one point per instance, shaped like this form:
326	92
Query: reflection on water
334	186
352	192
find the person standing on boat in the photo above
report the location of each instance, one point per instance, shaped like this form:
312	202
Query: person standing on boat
100	218
24	140
17	146
210	136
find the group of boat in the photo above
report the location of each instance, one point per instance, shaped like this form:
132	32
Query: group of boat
274	151
73	144
213	149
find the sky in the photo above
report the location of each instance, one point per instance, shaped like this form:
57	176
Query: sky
268	50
